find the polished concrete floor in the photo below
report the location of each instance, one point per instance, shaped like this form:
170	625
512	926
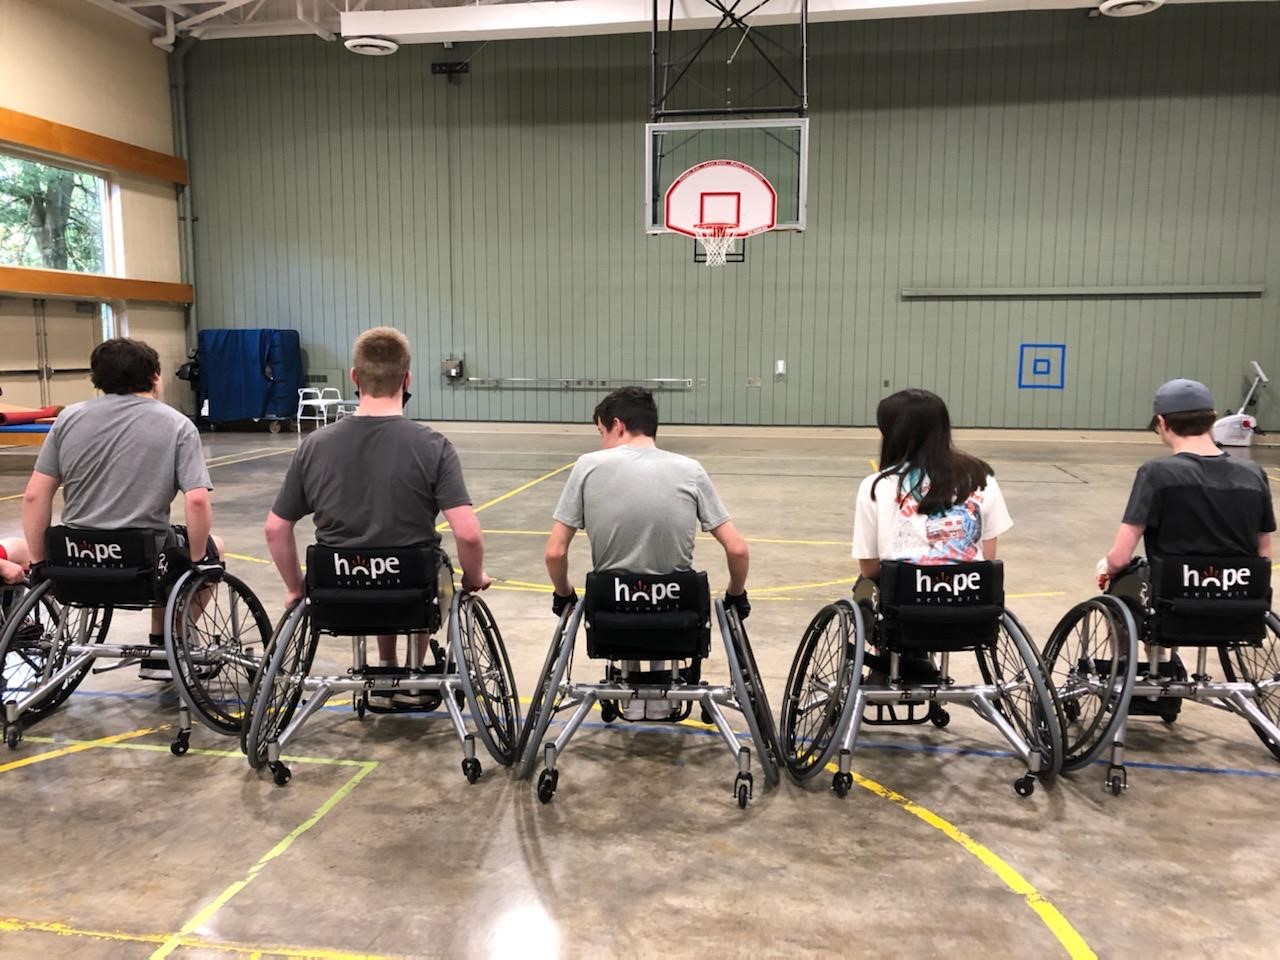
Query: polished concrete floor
115	848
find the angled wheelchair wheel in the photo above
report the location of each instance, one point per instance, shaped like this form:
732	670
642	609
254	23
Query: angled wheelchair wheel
217	632
545	695
278	688
33	647
749	689
817	688
1027	703
1259	664
488	681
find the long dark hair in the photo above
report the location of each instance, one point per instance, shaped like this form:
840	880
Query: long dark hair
916	448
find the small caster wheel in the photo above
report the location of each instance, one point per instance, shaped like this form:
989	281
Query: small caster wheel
707	718
13	735
939	717
361	706
471	769
1024	786
841	784
274	426
1071	710
743	788
181	745
547	782
608	712
280	774
743	796
460	698
1169	716
1117	780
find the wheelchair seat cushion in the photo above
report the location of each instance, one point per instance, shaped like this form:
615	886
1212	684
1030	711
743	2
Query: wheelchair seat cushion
633	616
1207	601
371	590
103	567
940	608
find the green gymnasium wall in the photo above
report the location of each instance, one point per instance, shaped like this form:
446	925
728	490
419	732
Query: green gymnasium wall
500	218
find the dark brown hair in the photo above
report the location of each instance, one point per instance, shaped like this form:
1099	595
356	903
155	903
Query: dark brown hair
1190	423
123	366
634	406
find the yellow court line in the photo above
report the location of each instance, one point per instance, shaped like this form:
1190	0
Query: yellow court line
511	493
244	556
805	586
16	496
79	746
260	456
1052	918
206	752
17	925
875	465
221	900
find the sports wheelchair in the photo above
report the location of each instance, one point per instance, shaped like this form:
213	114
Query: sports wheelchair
56	629
884	658
1173	602
357	593
632	619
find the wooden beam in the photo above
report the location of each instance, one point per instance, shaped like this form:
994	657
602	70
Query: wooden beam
45	136
61	285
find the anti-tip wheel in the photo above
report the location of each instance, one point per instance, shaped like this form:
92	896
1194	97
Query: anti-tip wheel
361	706
547	781
1024	786
939	717
1117	781
280	774
274	426
743	796
471	769
13	735
180	746
608	712
841	783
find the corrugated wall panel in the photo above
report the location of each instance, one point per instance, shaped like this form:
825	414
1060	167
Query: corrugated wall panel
501	217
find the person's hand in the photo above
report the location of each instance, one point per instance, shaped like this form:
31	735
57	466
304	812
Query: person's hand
11	573
36	573
559	604
738	602
291	597
475	586
1104	574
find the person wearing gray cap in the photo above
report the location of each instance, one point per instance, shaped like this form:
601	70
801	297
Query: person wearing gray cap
1199	501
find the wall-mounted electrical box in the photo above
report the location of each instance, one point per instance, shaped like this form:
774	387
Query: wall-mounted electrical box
451	368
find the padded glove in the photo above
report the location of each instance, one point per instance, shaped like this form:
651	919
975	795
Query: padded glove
36	573
738	602
559	604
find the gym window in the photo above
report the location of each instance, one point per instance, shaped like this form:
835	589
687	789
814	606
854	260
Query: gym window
51	217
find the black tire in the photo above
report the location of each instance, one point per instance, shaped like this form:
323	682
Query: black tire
543	704
751	695
817	687
33	642
1091	659
218	654
1246	663
487	680
547	781
1034	710
278	688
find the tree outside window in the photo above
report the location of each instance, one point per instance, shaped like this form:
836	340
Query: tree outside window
50	217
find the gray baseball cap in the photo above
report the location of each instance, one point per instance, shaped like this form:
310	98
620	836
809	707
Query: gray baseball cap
1181	396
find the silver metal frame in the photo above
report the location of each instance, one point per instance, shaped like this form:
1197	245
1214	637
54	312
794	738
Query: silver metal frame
563	694
802	190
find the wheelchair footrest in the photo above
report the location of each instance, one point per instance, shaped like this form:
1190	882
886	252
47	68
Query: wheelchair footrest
895	714
429	705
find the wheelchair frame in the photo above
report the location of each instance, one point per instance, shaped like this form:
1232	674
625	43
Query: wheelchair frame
849	698
557	692
455	686
1117	692
75	648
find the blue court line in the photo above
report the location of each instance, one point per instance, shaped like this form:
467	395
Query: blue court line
862	744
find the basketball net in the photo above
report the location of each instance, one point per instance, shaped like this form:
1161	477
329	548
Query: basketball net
716	242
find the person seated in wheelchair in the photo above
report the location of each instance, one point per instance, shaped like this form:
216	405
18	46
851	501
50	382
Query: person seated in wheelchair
641	507
376	479
928	504
1198	501
14	560
120	460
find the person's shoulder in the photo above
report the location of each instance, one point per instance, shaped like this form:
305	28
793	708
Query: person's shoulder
1247	467
73	411
864	487
162	411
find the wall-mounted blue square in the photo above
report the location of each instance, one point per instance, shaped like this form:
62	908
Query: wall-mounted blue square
1042	366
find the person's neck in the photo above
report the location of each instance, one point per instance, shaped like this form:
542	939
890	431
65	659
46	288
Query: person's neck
380	406
1202	445
640	440
146	395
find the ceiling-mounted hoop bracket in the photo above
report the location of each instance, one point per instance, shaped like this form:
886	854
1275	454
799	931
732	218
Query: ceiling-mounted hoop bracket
732	17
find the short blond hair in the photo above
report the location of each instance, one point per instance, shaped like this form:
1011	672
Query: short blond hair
381	360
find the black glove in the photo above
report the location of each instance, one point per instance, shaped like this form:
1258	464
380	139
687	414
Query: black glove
738	602
36	573
559	604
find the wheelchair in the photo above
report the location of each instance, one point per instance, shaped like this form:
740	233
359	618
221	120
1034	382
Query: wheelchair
663	621
884	658
1204	603
357	593
55	630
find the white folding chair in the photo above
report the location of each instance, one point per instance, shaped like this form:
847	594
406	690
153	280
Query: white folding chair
314	404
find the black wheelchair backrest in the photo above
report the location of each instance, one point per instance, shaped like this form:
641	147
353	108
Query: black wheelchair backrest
371	590
102	567
941	607
1208	601
641	616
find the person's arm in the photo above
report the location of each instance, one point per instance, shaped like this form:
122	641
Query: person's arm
1120	554
470	543
1264	545
37	512
989	548
557	557
869	569
199	514
866	547
284	552
737	555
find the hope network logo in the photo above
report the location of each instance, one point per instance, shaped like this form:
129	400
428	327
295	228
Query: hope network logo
371	568
1228	578
943	582
93	552
655	594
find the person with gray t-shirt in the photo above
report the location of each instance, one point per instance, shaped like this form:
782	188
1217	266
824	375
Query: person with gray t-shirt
641	506
121	459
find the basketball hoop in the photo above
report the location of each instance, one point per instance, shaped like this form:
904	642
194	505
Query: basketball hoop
716	241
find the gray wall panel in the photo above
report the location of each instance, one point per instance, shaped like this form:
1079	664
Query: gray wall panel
501	217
